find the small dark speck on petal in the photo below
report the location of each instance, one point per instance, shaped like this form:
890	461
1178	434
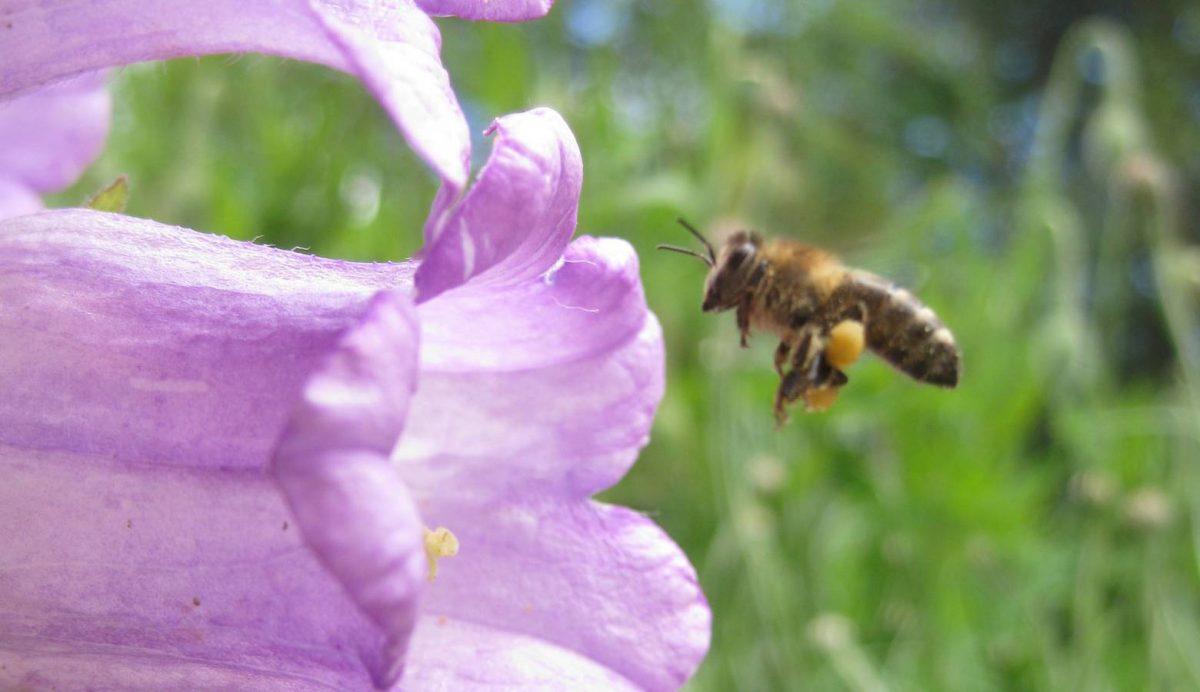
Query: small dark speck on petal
196	601
285	526
129	523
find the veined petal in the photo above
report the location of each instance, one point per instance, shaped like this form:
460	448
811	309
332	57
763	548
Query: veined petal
332	464
602	582
147	372
120	576
47	138
586	305
393	47
515	221
503	445
155	344
490	10
545	387
187	337
453	654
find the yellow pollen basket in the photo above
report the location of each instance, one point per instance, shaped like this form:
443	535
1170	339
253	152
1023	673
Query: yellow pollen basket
439	543
816	400
846	341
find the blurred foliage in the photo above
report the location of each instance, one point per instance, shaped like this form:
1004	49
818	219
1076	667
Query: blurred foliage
1026	169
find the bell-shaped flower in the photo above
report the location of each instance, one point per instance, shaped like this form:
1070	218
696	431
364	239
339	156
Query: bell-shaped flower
229	466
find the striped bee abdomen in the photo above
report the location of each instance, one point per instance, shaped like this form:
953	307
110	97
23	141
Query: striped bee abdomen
903	330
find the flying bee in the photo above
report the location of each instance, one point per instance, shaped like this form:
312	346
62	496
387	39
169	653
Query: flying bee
824	315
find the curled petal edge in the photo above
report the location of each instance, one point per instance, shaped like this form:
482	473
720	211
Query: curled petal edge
332	464
517	218
488	10
392	47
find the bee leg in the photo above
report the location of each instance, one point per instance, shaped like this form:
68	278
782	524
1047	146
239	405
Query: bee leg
781	355
790	388
817	368
824	375
805	356
743	321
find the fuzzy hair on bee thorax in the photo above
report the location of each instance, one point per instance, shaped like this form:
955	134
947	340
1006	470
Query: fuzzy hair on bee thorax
797	282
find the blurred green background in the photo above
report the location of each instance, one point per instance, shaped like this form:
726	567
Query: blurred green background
1029	169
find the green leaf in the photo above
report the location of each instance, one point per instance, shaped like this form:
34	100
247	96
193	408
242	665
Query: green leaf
113	197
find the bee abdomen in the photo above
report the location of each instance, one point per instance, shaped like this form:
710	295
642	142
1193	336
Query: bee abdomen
907	333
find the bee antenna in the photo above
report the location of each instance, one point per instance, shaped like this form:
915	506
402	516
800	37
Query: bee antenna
685	251
712	256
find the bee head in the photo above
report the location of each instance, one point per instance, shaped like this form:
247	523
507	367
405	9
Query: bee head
734	272
731	272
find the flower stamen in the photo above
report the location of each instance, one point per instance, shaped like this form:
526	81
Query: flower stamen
439	543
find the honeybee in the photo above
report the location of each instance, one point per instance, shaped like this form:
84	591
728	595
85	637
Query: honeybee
824	314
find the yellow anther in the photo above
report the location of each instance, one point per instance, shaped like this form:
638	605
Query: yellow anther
439	543
845	344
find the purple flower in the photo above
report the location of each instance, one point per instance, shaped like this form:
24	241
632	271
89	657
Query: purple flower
220	459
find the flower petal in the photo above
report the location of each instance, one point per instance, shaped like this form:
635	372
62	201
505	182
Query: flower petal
515	221
393	47
545	387
490	10
452	654
502	446
202	341
333	466
47	138
147	372
97	289
17	199
600	581
117	576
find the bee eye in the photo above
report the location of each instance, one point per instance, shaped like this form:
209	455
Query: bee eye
739	255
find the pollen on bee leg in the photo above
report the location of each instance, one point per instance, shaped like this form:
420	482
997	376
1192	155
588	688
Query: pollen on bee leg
845	344
820	399
439	543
